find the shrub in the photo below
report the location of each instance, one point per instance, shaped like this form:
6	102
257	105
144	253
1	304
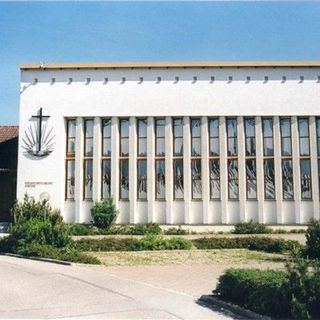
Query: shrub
81	229
150	242
66	254
104	213
144	229
176	231
251	228
252	243
312	248
260	291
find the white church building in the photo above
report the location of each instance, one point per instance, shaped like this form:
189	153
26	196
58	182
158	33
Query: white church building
173	142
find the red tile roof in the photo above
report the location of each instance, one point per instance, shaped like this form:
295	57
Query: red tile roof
8	133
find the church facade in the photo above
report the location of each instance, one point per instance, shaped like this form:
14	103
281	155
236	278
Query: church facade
173	143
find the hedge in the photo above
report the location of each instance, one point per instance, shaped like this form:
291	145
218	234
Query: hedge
257	290
150	242
252	243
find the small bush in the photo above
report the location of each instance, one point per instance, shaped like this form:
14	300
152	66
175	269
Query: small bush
176	231
81	229
251	228
260	291
252	243
144	229
65	254
312	248
150	242
104	213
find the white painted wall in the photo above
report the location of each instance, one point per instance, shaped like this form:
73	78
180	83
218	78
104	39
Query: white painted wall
168	98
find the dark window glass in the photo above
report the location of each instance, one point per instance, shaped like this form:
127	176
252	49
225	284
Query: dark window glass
160	180
304	136
160	137
318	136
88	179
177	137
251	178
269	180
233	186
124	137
88	134
178	178
196	178
124	179
195	137
71	137
106	137
305	176
285	129
70	179
249	127
142	137
213	137
142	179
267	127
106	178
232	137
287	179
214	167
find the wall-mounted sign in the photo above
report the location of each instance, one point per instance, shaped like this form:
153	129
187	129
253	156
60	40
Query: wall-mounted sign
33	184
38	140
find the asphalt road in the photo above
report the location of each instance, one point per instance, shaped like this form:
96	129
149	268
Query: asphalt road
33	289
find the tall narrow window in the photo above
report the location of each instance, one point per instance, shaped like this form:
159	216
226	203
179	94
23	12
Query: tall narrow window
106	158
70	159
318	146
268	159
251	172
160	187
124	159
232	156
88	159
305	162
214	161
196	158
142	160
178	158
286	158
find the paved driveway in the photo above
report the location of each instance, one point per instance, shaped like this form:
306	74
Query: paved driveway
32	289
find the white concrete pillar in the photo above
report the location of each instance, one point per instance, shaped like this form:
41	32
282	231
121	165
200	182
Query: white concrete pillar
133	169
169	170
223	170
78	189
278	168
96	187
187	169
150	169
260	173
115	160
314	167
296	168
242	169
205	175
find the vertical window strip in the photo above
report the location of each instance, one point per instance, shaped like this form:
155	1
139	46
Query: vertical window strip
214	160
106	158
250	158
178	183
160	185
268	159
286	159
142	159
70	159
232	159
88	159
305	161
318	146
195	128
124	159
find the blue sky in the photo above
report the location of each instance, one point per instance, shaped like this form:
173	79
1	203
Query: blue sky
154	31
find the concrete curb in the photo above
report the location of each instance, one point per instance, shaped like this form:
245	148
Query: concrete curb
216	302
65	263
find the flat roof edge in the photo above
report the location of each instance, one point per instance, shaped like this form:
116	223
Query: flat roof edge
165	65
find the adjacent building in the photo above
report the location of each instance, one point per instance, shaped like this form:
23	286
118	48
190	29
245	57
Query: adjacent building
173	143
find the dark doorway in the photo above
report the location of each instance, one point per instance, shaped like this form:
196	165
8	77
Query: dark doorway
8	170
